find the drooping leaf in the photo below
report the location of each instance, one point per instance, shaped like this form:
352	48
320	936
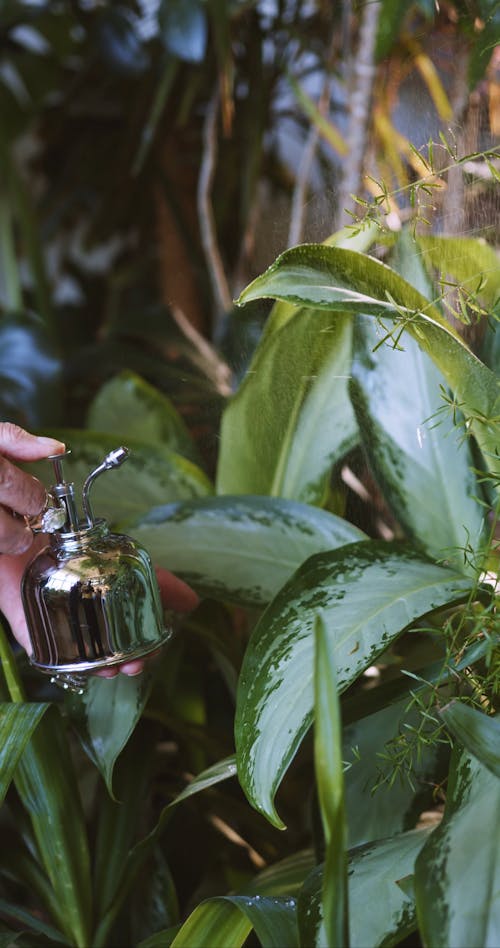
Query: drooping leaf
419	458
240	549
328	765
382	914
339	281
35	927
227	921
291	418
105	716
17	723
129	407
222	770
458	870
151	475
479	733
368	594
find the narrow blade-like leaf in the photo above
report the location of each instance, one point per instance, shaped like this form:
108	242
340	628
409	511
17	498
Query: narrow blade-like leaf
17	723
368	594
330	782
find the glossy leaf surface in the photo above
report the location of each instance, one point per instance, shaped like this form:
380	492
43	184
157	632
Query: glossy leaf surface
328	765
342	281
129	407
381	912
17	723
479	733
238	548
368	593
291	418
228	920
105	717
458	870
151	475
420	459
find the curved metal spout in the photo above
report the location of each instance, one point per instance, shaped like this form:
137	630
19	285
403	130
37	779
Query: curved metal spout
113	459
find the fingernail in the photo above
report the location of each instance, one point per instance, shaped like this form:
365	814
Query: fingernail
51	443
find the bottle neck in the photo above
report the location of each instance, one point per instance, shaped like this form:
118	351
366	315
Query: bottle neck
76	541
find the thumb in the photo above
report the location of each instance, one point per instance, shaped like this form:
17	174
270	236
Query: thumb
17	444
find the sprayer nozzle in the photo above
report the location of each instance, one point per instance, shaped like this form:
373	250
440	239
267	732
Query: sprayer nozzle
116	457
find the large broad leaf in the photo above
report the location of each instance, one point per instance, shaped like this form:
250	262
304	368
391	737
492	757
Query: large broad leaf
391	808
17	723
458	871
420	459
328	767
151	475
291	418
380	912
129	407
338	280
479	733
240	549
471	263
105	716
368	593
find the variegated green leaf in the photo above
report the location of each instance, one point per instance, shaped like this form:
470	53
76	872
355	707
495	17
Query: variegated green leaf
368	594
291	418
240	549
129	407
340	281
478	732
420	459
457	874
381	913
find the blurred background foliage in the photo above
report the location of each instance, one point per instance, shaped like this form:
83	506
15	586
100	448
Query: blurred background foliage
155	156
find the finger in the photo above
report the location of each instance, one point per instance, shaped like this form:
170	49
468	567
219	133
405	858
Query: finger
15	536
19	490
175	593
132	668
107	672
18	444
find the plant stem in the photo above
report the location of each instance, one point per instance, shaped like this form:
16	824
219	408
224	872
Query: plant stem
9	667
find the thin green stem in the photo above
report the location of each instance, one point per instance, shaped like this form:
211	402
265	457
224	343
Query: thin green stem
9	667
8	262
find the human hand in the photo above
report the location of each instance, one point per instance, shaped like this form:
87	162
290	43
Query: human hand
24	494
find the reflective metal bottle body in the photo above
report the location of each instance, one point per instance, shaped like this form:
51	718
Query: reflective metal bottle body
91	597
93	605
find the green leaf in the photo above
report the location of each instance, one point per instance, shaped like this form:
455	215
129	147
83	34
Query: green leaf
46	783
151	476
418	456
470	262
129	407
291	418
17	723
368	594
240	549
222	770
387	811
457	873
330	782
34	924
479	733
340	281
105	716
382	914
